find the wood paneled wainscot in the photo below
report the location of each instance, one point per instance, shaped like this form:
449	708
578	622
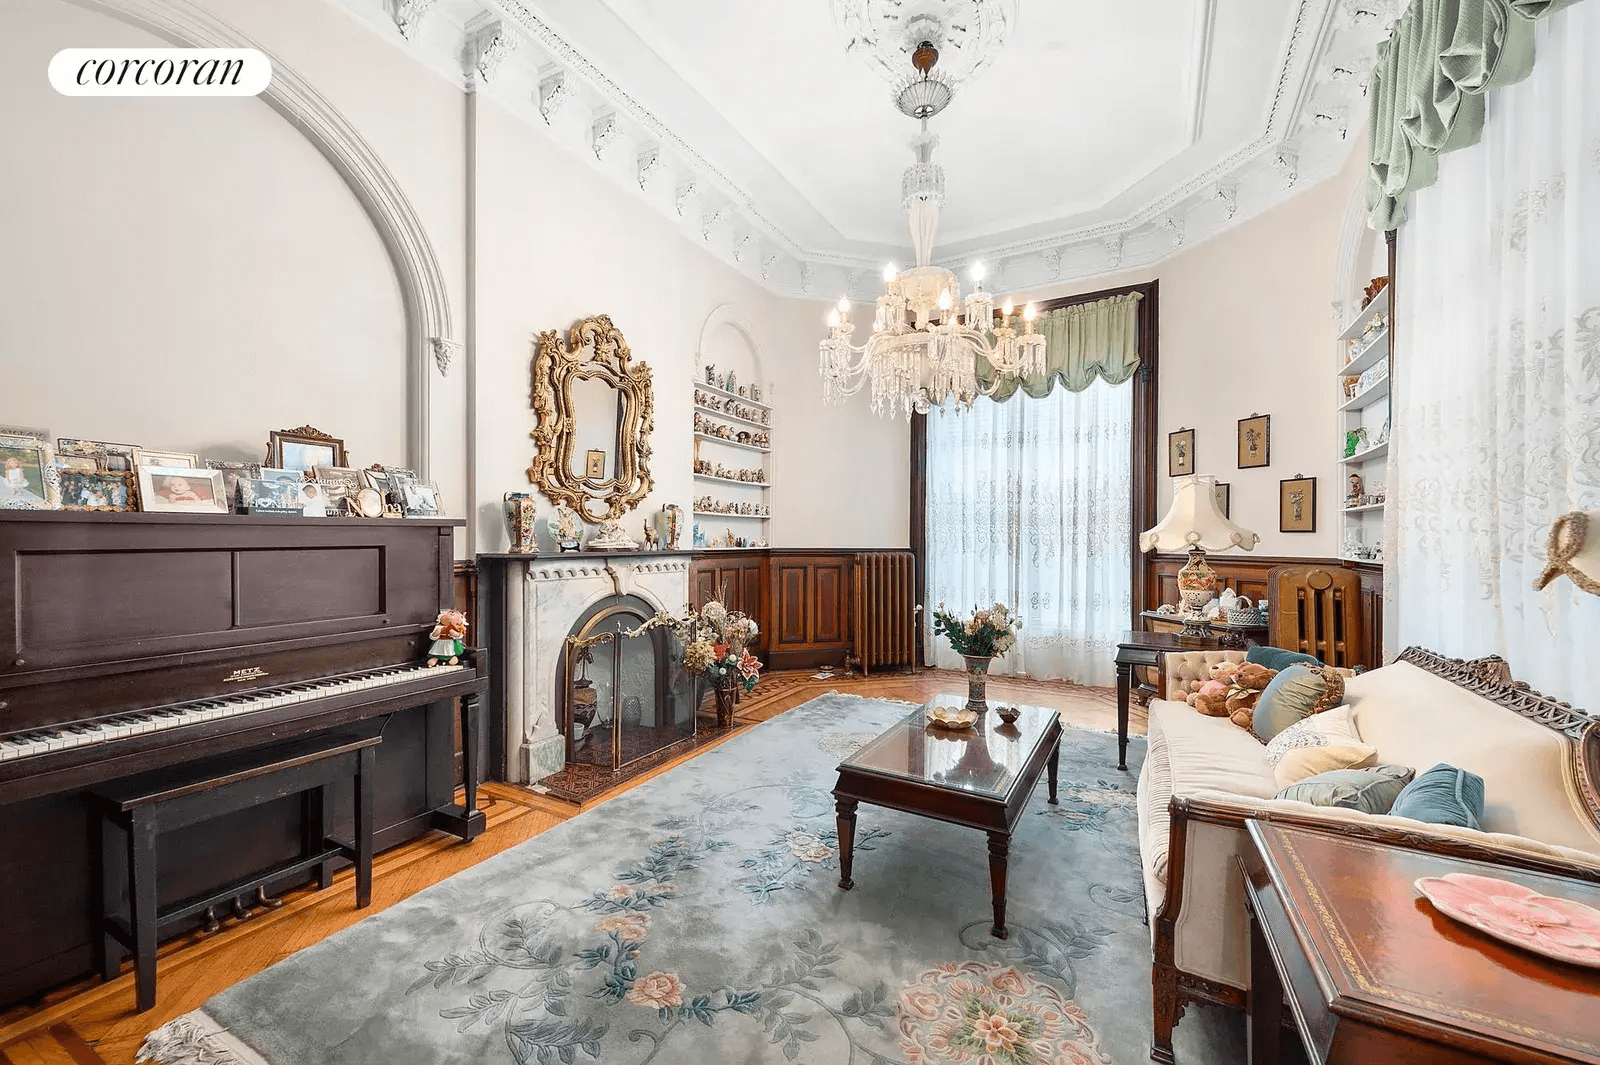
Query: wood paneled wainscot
800	598
1247	575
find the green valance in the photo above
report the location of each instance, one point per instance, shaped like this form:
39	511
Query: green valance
1428	87
1081	342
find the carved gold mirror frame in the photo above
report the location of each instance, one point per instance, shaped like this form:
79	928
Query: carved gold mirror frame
594	350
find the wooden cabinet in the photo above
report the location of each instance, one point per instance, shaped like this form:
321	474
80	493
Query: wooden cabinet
810	602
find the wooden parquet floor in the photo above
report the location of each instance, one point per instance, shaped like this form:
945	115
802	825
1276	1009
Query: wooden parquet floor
93	1023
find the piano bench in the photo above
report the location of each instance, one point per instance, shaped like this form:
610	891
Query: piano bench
145	805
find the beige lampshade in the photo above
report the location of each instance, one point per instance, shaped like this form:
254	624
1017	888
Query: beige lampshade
1195	520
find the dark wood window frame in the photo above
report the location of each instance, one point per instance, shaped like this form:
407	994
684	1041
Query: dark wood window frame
1144	446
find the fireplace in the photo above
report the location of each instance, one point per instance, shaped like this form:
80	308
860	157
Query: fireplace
622	697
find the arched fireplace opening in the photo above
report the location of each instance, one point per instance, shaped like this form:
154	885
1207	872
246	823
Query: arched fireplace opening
622	697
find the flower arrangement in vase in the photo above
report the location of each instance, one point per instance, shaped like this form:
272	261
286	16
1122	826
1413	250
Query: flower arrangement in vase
988	634
716	648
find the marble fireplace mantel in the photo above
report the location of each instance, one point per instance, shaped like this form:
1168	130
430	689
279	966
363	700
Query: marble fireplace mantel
543	598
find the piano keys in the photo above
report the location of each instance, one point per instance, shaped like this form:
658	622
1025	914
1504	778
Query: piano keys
134	641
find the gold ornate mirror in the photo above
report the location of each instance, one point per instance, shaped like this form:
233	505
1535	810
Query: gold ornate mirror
594	411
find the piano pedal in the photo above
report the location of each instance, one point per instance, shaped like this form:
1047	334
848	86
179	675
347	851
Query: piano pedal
262	900
241	912
211	925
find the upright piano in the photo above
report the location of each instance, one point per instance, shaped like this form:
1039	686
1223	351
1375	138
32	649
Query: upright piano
129	642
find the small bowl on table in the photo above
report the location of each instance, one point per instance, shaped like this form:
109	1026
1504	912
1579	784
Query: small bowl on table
1009	714
951	717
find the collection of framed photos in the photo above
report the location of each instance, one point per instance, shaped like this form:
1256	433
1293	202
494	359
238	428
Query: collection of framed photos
1297	495
306	473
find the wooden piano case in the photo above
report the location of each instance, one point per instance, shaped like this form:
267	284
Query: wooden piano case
109	613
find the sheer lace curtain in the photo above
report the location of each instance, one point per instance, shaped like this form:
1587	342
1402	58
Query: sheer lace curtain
1029	503
1497	377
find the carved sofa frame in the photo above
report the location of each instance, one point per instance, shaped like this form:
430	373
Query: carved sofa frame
1173	989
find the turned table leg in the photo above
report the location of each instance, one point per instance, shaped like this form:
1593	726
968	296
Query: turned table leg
846	811
1124	679
999	848
1054	770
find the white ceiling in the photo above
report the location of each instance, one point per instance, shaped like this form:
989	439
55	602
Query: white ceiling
1101	135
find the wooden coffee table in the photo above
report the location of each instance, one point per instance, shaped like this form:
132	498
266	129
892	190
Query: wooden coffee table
1372	972
979	777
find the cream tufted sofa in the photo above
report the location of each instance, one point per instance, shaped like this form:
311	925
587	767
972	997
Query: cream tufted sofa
1204	776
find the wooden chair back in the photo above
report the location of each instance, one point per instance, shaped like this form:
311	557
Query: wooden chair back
1316	610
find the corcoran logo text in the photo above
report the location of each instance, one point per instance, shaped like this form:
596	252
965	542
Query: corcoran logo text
160	72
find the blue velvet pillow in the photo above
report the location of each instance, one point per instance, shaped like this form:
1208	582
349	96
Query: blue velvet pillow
1298	691
1444	795
1277	657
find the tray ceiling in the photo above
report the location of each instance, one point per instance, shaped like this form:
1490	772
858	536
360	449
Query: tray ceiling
1099	136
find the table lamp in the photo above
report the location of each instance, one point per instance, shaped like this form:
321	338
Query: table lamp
1195	523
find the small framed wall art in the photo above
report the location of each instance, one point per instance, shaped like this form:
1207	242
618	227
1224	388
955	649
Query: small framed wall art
595	465
304	448
1255	441
1225	498
1180	453
1297	505
181	490
29	479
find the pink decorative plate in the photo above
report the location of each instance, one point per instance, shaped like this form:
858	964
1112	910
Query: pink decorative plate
1557	928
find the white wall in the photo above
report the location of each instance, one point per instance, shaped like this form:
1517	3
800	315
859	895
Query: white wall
236	285
184	274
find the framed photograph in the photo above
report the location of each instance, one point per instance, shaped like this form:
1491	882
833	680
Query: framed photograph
1180	453
259	496
313	500
295	477
181	490
1255	441
365	503
594	466
96	489
85	463
1225	498
304	448
232	474
420	499
1297	505
28	475
339	486
168	459
41	435
113	457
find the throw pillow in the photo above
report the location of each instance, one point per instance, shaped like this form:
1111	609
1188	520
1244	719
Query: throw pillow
1444	795
1296	692
1278	657
1317	744
1372	791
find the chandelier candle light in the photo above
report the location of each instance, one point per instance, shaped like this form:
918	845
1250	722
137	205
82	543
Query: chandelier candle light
923	350
1195	523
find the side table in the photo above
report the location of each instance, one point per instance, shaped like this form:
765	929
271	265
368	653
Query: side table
1146	649
1372	972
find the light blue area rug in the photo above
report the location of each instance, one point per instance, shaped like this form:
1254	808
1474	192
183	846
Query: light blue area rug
696	919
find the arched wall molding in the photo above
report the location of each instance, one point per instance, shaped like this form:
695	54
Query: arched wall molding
430	333
729	315
1351	263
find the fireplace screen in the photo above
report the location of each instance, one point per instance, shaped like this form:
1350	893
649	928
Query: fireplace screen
624	697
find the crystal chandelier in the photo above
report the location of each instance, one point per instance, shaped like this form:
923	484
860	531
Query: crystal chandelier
922	350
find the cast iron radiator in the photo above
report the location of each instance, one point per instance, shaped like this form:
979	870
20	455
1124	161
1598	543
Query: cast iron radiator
885	610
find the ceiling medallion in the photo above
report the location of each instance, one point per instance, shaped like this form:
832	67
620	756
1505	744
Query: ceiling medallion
923	351
965	34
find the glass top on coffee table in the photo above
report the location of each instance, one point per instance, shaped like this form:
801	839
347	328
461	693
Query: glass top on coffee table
985	759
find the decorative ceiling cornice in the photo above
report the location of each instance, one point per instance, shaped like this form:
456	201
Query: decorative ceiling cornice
1318	88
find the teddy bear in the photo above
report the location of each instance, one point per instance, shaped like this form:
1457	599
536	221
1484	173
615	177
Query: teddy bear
1249	681
1212	699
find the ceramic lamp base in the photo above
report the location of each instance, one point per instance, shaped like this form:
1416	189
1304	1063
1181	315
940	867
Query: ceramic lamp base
1197	586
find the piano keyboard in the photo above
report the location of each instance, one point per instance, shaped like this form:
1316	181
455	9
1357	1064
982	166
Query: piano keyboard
175	715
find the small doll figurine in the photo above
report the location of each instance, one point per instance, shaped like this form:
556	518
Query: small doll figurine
447	632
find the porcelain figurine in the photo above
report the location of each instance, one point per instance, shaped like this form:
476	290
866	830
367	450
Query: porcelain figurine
447	647
565	528
1355	497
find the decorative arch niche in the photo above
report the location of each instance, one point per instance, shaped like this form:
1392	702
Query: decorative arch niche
429	327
